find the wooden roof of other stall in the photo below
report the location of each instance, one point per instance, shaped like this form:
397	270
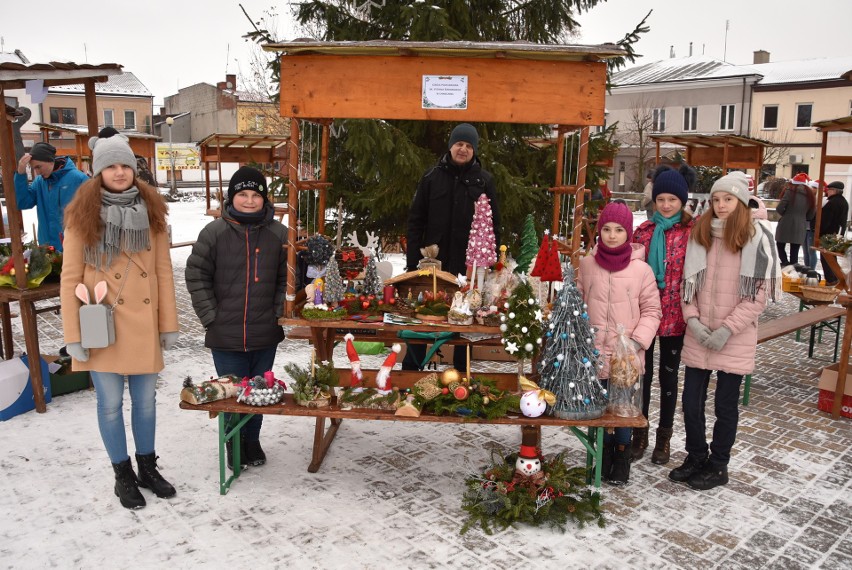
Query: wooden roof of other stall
843	124
725	151
243	148
15	75
141	144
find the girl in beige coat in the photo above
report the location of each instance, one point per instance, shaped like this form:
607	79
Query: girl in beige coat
116	233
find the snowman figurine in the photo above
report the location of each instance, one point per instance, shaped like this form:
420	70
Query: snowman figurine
528	462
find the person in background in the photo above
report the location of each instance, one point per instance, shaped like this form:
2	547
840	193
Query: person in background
647	202
796	207
835	214
664	237
810	256
441	213
236	276
619	289
55	181
730	270
116	233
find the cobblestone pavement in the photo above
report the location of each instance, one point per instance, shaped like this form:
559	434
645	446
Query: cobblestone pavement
389	494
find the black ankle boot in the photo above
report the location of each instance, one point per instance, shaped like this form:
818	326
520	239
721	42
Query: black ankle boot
606	460
662	450
150	478
253	453
690	467
620	473
127	486
709	478
229	452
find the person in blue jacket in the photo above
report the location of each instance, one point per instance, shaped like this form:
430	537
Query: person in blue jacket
55	182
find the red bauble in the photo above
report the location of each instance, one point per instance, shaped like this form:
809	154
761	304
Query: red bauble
365	304
392	301
445	390
362	297
460	393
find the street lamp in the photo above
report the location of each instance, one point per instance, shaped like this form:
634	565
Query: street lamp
173	192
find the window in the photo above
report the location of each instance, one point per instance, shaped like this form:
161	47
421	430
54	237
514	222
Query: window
63	115
770	116
12	101
726	118
690	118
658	120
130	120
258	122
109	118
803	115
621	170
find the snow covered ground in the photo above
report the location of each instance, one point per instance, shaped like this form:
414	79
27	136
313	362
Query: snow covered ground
388	494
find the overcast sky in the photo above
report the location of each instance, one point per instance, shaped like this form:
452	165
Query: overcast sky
170	44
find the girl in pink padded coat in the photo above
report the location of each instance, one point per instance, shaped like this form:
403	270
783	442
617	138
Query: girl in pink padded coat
731	267
619	288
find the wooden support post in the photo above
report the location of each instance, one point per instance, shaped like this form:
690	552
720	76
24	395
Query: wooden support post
292	215
559	179
91	106
323	177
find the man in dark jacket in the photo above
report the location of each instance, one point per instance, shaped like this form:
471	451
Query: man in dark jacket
833	220
441	213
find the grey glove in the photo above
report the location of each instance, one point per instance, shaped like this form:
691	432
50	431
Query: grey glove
699	331
77	352
718	338
168	339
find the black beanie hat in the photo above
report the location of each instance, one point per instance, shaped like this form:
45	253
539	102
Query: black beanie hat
43	152
464	132
247	178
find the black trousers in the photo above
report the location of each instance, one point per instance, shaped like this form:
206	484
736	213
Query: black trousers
416	352
726	408
670	348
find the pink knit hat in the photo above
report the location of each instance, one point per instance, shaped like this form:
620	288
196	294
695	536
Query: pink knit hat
618	213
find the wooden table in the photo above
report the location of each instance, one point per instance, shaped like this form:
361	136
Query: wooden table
26	299
592	439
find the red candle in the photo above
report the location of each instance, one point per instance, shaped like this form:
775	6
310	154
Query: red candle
388	294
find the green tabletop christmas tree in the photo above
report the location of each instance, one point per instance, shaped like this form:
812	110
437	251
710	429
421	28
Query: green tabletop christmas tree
521	325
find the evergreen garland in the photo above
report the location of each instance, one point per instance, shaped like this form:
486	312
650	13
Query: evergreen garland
495	500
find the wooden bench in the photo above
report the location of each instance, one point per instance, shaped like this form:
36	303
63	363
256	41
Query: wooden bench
592	439
818	318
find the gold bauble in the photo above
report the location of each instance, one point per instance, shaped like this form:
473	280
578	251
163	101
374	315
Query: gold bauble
450	375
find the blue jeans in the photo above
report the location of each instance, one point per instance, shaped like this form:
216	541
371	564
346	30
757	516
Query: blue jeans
727	411
109	387
252	363
810	255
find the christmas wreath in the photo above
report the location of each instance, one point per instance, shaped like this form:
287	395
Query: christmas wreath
40	261
501	496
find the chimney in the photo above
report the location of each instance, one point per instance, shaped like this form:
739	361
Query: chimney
761	56
690	49
231	81
671	51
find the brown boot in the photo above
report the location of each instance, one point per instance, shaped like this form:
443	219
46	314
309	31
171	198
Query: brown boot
660	455
639	443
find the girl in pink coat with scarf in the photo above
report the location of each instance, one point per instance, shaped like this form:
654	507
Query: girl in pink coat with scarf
619	288
731	267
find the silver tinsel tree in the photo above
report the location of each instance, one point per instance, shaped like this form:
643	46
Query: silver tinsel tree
569	359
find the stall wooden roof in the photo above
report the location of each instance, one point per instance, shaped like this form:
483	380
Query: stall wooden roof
832	125
141	144
15	75
725	151
243	148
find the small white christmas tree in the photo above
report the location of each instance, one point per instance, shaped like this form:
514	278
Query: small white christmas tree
481	245
372	281
334	289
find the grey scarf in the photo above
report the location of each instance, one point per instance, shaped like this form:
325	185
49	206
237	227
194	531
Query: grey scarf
758	263
126	228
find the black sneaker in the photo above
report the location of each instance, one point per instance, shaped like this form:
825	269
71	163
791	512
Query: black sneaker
690	467
708	478
229	452
254	454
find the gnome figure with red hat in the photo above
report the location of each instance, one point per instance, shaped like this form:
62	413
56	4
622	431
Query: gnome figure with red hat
354	361
383	375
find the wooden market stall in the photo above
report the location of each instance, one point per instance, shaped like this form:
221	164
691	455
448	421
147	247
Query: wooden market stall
244	149
842	129
511	82
724	151
19	76
142	144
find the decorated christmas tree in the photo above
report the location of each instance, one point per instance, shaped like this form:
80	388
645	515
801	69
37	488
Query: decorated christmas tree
334	289
372	281
522	324
529	241
568	362
481	245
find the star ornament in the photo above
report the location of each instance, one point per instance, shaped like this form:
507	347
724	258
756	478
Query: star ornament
511	347
538	315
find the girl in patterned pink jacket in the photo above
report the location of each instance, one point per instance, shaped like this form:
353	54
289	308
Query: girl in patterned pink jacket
731	268
619	289
665	236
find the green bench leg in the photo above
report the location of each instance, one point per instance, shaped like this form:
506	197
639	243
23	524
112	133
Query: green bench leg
593	442
747	389
224	436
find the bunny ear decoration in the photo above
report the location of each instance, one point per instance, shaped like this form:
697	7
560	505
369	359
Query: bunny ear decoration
100	291
82	293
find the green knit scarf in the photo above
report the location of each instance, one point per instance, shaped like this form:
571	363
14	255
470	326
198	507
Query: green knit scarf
657	248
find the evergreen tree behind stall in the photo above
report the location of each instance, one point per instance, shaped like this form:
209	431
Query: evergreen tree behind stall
568	361
375	164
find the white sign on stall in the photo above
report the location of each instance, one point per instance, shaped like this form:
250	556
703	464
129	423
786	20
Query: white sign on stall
444	92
